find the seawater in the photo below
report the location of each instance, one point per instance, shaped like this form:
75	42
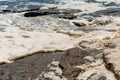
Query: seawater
23	4
29	4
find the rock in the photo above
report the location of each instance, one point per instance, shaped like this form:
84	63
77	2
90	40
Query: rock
70	32
17	11
81	23
102	20
31	14
72	58
19	44
88	18
30	67
89	59
50	11
97	76
108	12
67	16
111	4
90	1
6	11
112	60
96	72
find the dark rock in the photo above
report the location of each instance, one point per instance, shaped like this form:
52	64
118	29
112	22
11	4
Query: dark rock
73	57
67	16
108	12
79	24
31	14
6	11
50	11
111	4
15	11
91	1
28	68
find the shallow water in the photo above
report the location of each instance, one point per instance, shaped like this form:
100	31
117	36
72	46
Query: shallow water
22	4
28	4
18	5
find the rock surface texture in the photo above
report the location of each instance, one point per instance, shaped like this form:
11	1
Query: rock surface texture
77	41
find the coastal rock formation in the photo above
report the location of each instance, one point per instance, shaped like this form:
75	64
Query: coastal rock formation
75	57
93	64
86	65
86	34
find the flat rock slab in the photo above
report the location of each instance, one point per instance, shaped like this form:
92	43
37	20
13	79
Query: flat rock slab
28	68
26	43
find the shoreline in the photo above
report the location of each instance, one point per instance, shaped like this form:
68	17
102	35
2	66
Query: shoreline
88	39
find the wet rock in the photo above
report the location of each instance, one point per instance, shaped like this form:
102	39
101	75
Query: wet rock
17	11
72	58
81	23
67	16
32	14
51	11
90	0
108	12
111	4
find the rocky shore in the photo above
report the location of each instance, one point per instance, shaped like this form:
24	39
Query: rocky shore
79	41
